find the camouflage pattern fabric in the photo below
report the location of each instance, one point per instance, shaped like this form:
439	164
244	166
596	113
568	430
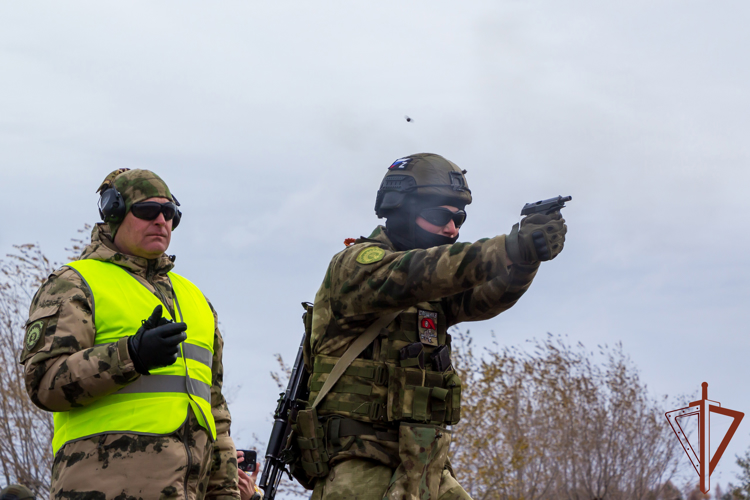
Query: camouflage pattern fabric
135	186
63	370
360	479
423	450
472	281
133	467
468	281
363	446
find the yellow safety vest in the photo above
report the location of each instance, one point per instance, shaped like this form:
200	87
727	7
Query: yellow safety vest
152	404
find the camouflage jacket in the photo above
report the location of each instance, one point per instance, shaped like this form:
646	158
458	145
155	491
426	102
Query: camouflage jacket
470	280
64	369
467	281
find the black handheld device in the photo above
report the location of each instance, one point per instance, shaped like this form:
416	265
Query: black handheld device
251	458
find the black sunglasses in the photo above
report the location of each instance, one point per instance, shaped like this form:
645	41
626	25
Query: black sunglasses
440	216
150	210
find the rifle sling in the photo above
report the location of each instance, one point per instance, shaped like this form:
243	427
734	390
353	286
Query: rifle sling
351	354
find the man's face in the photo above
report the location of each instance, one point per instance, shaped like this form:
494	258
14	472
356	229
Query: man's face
144	238
449	230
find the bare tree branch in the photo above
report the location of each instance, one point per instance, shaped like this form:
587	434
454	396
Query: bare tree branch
25	430
553	423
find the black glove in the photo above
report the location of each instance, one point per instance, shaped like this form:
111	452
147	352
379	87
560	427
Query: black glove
156	343
541	237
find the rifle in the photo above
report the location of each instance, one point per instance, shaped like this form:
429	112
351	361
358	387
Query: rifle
289	401
545	206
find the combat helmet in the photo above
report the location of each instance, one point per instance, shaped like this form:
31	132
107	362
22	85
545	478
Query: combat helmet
426	177
413	183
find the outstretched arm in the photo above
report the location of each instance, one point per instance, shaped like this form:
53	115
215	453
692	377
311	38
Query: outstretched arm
402	279
490	299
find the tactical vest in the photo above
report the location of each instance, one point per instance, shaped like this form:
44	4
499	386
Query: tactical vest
153	404
390	387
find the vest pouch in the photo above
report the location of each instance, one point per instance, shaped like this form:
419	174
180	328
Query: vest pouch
360	394
290	455
311	443
452	383
417	395
423	450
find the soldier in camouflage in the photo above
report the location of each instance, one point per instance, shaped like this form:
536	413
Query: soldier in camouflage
385	424
68	369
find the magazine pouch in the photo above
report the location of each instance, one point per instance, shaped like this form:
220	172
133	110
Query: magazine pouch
311	443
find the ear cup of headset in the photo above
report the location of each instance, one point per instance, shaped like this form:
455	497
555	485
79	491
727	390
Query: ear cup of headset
111	206
176	219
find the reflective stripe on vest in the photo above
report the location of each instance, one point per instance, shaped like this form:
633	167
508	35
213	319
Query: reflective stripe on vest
156	403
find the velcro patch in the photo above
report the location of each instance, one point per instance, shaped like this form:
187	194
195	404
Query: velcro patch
370	255
428	327
399	164
34	334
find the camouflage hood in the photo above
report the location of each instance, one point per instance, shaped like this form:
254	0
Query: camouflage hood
134	186
103	248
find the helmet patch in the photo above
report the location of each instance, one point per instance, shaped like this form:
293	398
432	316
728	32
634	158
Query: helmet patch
399	164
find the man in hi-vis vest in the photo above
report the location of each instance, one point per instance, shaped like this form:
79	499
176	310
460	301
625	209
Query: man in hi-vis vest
127	354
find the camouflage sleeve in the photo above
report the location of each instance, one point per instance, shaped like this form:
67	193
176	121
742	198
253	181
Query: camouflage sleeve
223	483
63	368
490	299
362	281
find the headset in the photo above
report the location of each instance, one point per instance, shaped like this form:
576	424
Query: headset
112	207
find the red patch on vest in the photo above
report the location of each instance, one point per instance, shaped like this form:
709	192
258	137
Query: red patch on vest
427	327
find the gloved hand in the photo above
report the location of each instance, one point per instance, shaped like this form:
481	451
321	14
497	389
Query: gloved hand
541	237
156	343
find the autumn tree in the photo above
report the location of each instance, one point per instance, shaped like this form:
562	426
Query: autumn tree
25	430
553	422
741	491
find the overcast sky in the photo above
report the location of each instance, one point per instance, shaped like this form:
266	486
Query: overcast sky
274	122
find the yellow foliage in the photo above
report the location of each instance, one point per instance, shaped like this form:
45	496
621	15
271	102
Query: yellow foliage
552	422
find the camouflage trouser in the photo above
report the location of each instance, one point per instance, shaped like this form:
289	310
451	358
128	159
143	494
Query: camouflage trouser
132	467
361	479
421	475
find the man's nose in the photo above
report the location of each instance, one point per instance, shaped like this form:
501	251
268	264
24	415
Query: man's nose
450	229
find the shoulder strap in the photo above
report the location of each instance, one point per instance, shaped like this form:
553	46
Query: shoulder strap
351	354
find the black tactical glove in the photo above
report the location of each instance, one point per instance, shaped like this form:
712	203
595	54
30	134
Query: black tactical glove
541	237
156	343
